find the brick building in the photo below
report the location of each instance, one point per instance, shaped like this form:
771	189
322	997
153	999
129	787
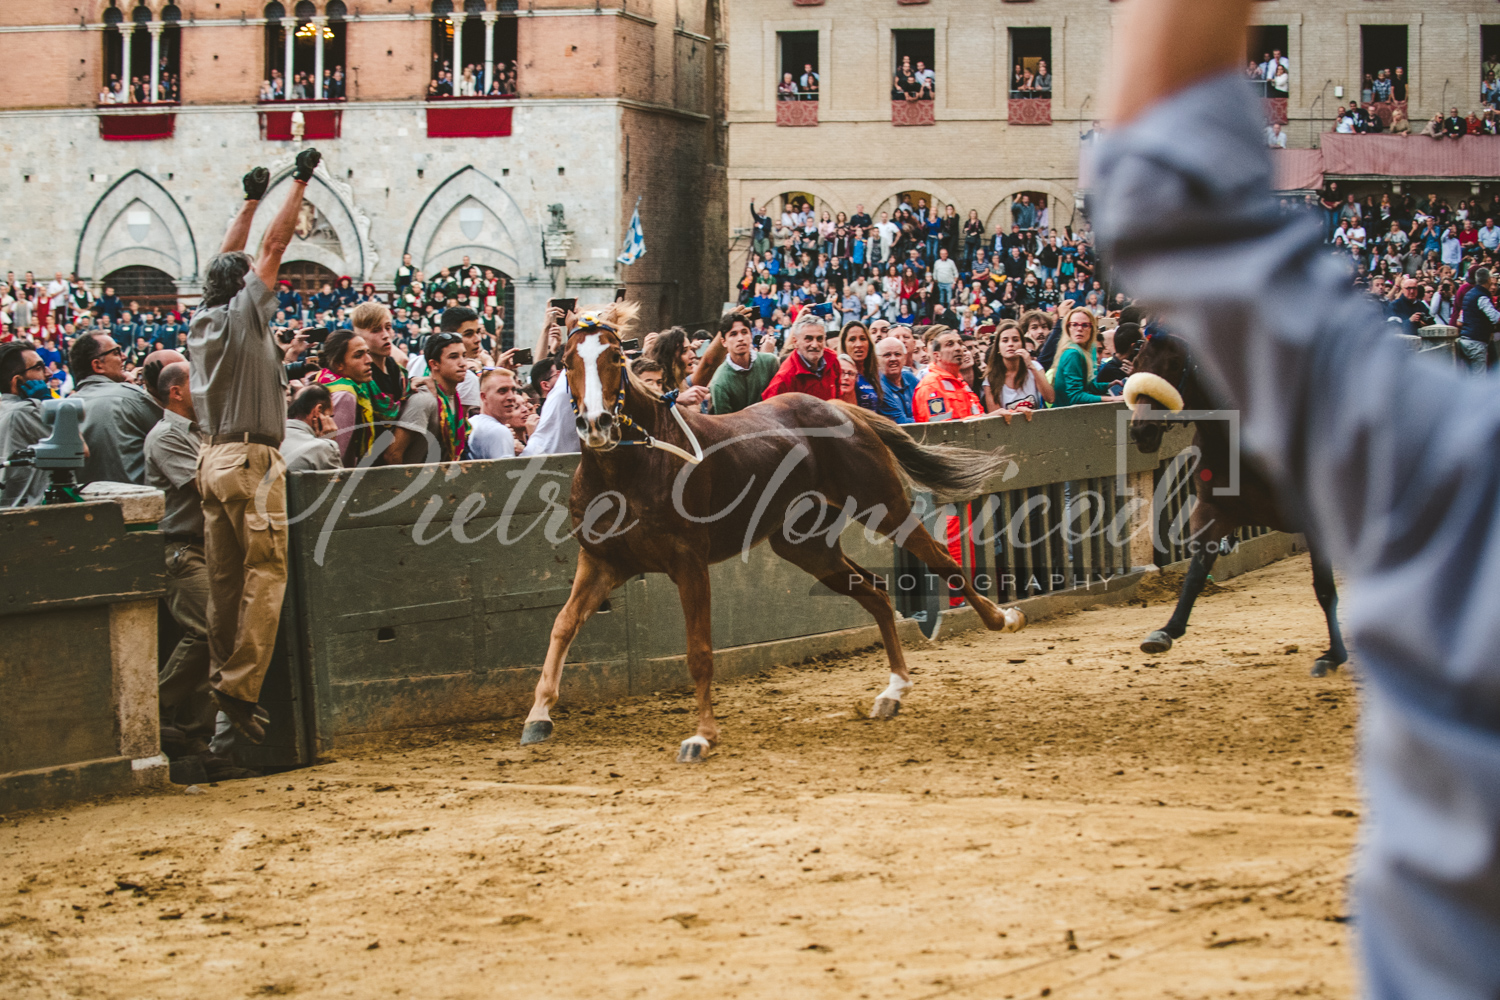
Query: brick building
979	142
591	107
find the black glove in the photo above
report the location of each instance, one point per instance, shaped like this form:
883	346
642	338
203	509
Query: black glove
307	162
152	370
256	182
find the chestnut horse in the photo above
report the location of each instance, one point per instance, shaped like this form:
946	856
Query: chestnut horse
698	489
1166	378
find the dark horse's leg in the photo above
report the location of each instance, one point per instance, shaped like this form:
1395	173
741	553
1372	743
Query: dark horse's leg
842	575
1328	597
591	585
693	590
1192	585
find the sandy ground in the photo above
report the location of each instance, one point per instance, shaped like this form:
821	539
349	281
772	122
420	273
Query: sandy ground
1053	813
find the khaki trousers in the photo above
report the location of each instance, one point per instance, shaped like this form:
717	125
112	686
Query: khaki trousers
244	527
182	686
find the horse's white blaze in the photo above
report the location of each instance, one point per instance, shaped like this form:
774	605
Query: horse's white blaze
896	688
590	350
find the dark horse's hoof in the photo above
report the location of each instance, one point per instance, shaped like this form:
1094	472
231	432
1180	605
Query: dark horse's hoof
885	708
694	750
1323	666
1157	642
536	732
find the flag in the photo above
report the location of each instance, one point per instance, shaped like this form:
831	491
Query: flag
635	240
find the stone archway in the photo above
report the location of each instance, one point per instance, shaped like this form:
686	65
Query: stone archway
137	223
770	194
882	198
331	232
1059	200
470	214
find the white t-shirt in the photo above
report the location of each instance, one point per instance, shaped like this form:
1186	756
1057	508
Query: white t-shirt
468	389
489	438
888	232
58	291
1026	397
556	433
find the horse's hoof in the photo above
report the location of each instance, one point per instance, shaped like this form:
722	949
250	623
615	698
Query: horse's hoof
1156	642
536	732
1323	667
1015	619
885	708
694	750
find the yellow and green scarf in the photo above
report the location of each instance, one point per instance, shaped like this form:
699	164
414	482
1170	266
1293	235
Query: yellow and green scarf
371	405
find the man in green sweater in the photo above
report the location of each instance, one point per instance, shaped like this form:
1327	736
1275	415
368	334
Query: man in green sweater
746	372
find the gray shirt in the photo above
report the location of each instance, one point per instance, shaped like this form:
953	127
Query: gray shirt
117	416
21	425
419	414
238	377
172	466
304	451
1405	502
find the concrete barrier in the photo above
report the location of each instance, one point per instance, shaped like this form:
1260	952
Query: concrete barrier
78	594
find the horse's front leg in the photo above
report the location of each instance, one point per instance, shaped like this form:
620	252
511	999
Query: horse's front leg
692	589
592	583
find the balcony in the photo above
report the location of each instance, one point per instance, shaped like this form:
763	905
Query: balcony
1029	111
317	123
912	113
137	122
796	114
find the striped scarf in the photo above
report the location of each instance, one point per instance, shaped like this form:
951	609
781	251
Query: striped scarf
453	429
370	405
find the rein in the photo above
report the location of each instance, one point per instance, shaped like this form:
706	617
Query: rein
624	420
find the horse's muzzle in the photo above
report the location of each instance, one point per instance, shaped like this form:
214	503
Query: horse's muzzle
602	433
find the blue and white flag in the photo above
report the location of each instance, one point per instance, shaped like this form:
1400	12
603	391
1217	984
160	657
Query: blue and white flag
635	240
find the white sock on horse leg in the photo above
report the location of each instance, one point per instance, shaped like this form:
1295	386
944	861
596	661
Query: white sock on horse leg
896	688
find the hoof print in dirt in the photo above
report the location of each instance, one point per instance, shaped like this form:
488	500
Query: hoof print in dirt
885	708
1156	642
694	750
536	732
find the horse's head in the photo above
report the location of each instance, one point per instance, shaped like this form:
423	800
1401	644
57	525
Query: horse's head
1161	365
596	380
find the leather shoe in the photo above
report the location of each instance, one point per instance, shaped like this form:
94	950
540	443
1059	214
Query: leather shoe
247	718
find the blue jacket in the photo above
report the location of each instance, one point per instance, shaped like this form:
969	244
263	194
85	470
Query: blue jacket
895	400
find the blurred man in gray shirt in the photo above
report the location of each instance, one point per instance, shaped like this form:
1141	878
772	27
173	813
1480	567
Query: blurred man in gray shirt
1406	501
116	415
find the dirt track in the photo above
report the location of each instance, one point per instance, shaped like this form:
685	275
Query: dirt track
1049	812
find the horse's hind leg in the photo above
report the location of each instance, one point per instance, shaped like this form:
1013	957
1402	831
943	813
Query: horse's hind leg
591	585
1192	585
842	575
1328	597
937	557
693	590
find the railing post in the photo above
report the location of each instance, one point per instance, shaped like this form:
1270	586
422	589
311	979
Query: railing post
318	23
1142	552
489	18
127	32
155	29
286	78
458	45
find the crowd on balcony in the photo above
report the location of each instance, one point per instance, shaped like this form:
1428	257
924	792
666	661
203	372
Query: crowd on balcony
1272	74
304	86
1029	83
471	80
138	89
914	81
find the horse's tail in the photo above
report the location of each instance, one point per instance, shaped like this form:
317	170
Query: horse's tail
951	473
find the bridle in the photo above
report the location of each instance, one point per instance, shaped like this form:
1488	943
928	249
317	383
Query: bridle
616	417
1154	387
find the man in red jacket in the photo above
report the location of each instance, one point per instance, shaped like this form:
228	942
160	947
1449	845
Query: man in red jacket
942	394
809	368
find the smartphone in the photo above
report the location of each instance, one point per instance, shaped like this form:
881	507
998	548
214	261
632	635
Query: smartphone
523	356
566	305
633	344
315	334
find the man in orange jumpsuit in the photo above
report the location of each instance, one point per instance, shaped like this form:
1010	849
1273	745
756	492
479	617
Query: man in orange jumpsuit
942	394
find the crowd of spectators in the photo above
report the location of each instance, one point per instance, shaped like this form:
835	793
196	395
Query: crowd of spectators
1272	74
1026	82
304	86
1420	255
470	80
138	88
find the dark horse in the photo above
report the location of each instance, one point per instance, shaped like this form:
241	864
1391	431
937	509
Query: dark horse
1166	378
792	470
